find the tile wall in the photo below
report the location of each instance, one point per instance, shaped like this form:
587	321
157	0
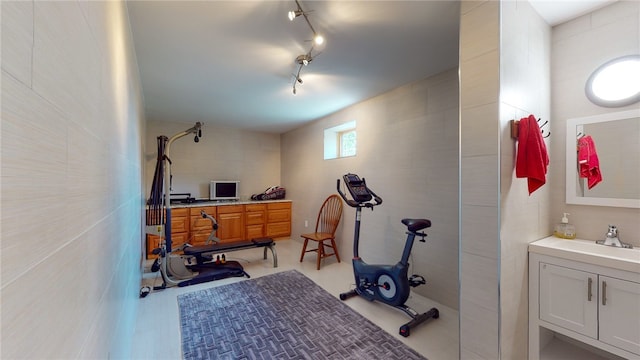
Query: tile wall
71	165
579	47
222	153
479	176
539	71
525	56
407	151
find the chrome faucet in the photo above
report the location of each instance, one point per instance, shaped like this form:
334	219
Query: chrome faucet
612	239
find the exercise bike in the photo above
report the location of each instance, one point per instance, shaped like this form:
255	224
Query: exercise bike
388	284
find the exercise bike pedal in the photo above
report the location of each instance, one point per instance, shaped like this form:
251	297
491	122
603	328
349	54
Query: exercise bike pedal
416	280
155	266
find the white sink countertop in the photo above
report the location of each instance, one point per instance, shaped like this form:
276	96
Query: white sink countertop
588	252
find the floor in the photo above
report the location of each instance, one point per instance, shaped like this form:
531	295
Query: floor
157	334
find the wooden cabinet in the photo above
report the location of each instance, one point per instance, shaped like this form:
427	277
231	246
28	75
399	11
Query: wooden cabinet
179	231
255	220
596	305
231	223
236	222
201	227
278	219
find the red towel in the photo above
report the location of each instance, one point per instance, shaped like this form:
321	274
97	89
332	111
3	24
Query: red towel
532	158
588	162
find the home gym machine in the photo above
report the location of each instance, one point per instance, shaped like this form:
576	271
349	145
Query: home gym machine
388	284
195	264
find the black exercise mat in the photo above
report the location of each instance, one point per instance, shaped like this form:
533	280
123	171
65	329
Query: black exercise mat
280	316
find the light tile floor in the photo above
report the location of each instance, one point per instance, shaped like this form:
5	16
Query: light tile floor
157	333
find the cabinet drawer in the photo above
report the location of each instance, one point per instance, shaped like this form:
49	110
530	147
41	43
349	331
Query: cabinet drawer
279	215
210	210
255	207
199	224
279	205
228	209
177	212
279	229
178	217
254	217
254	231
199	238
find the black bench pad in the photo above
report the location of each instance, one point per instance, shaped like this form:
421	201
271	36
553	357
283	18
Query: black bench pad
203	252
200	249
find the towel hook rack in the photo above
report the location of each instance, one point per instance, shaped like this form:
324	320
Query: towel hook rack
514	128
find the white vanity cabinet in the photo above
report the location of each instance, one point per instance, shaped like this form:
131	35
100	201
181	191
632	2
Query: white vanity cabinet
619	313
567	299
582	294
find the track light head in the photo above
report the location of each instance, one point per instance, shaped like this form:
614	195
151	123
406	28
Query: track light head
294	14
304	59
318	39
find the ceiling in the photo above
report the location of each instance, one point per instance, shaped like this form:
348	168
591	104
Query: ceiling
231	63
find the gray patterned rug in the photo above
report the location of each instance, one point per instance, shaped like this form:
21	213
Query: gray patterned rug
280	316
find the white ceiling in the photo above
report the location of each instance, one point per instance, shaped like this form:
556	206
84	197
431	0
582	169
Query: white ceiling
558	11
230	63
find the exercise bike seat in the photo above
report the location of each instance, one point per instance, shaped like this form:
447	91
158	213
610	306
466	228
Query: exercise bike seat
414	225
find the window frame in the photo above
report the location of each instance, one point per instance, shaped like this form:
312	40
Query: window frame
333	140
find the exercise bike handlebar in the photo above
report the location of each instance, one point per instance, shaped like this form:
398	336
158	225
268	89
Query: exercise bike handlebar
356	204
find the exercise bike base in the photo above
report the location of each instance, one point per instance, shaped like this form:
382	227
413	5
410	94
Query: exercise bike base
405	330
348	294
416	318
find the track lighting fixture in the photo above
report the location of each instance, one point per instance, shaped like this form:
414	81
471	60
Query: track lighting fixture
294	14
305	59
297	78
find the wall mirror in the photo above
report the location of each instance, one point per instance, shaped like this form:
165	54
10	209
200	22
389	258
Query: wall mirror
616	137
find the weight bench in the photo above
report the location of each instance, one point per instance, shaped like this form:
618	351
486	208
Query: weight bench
204	253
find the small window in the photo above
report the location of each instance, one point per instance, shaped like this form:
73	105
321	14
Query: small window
340	141
347	143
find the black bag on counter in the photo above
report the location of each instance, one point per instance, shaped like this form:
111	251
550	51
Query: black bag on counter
272	193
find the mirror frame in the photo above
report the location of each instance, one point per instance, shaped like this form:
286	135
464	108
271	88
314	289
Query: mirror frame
572	159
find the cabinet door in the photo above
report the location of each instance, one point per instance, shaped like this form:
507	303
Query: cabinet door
619	307
179	220
201	227
231	223
568	298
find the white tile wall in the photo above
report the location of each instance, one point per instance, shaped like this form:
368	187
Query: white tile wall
579	47
524	89
407	151
17	39
478	331
222	153
479	147
71	180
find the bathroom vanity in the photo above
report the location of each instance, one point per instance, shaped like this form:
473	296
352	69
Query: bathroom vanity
584	300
